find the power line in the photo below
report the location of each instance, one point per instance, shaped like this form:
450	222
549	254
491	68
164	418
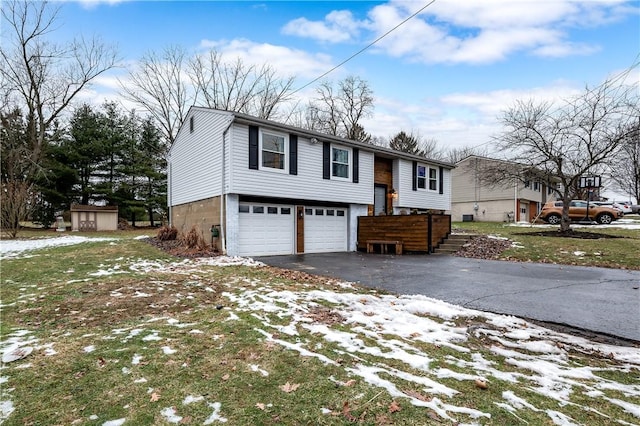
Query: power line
364	48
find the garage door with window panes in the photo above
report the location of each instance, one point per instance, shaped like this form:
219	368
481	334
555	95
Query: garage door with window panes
265	229
325	229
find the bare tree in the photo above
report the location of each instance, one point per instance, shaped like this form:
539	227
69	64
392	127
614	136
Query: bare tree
254	90
42	79
159	85
625	169
167	83
454	155
565	142
339	112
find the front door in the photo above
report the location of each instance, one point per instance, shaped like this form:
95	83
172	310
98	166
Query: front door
379	199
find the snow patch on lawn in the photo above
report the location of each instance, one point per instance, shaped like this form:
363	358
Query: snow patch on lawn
13	249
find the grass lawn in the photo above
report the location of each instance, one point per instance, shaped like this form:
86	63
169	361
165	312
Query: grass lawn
116	332
620	251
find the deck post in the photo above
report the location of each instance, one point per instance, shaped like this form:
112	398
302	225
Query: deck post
429	233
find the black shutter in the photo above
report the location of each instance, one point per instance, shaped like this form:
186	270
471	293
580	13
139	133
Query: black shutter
441	180
326	160
253	147
415	176
356	165
293	154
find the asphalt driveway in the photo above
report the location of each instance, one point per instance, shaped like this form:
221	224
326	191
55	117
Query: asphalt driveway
605	301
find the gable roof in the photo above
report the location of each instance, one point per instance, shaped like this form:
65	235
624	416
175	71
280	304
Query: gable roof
241	118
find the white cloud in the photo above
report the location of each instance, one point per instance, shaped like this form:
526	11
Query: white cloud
90	4
338	26
460	119
285	60
463	31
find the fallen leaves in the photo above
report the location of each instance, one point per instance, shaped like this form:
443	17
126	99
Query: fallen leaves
155	396
394	407
346	412
417	395
289	387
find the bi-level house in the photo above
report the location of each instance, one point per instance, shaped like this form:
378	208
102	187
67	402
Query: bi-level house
268	188
512	200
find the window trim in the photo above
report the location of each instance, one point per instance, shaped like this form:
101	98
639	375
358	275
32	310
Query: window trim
285	150
349	162
433	180
428	179
419	178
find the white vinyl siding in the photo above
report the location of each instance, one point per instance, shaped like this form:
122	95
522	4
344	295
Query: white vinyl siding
421	199
308	184
196	158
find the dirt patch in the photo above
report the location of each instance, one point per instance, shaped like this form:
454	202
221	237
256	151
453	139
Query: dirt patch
325	315
570	234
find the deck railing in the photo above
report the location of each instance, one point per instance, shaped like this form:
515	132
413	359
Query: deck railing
418	233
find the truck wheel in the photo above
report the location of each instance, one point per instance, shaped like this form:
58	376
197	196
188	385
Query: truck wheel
554	219
604	219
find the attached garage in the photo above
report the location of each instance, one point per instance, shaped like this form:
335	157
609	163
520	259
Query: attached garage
265	229
325	229
273	229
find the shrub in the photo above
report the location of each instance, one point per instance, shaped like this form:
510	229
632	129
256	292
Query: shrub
167	233
194	239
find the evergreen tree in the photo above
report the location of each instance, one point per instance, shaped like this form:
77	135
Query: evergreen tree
406	143
84	151
153	168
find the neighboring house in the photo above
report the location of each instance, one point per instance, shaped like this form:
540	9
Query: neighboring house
94	218
514	200
270	188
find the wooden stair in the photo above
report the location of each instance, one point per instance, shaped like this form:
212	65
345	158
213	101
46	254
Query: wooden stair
453	243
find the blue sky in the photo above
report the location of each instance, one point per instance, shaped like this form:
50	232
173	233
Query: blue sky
445	74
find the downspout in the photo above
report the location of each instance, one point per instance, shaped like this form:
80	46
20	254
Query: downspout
223	195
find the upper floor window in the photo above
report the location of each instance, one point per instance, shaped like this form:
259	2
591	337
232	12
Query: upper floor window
340	162
433	179
273	151
427	177
422	177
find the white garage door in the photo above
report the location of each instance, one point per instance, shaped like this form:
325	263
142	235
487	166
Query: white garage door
265	229
325	229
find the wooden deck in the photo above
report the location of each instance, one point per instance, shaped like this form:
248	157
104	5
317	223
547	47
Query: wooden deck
418	233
